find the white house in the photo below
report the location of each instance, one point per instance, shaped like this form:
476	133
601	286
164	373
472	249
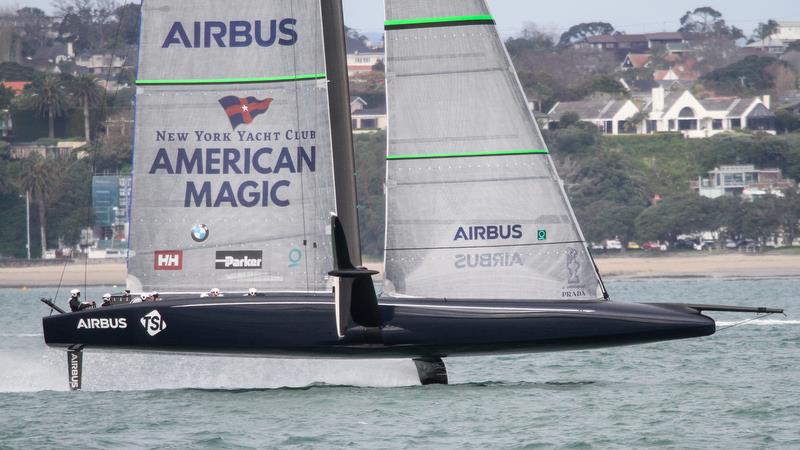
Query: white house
361	62
698	118
742	180
365	119
610	116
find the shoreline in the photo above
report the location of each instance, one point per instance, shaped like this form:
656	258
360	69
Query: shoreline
612	267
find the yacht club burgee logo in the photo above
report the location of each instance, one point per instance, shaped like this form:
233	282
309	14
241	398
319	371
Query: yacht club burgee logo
244	110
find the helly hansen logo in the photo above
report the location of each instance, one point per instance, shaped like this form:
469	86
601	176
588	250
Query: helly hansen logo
168	260
239	260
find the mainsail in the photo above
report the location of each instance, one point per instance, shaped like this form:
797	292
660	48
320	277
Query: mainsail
475	209
233	171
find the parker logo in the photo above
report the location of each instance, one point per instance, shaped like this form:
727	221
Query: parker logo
103	324
153	323
168	260
239	260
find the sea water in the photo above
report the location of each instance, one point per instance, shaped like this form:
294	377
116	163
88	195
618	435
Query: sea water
737	389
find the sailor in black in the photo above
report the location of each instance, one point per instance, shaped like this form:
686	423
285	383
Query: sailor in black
106	300
75	303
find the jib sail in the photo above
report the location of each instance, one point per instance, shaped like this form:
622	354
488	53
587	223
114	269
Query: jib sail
475	208
233	176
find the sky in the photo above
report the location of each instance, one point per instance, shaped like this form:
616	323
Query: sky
631	16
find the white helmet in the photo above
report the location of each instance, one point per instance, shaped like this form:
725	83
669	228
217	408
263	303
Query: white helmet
75	292
252	291
106	296
143	297
215	291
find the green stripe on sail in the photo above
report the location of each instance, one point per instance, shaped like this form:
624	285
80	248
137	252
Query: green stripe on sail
310	76
434	20
468	154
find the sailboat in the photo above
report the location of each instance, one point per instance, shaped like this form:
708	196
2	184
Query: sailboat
244	179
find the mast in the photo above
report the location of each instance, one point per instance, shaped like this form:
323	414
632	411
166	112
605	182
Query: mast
341	126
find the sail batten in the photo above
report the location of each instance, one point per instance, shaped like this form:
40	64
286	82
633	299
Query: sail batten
475	208
251	80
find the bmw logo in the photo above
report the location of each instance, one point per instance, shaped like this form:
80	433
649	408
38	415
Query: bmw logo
200	233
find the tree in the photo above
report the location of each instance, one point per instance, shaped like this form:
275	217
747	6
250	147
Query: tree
49	98
34	24
6	95
707	20
578	33
569	119
41	177
128	16
786	121
750	74
789	215
675	216
531	39
765	30
88	93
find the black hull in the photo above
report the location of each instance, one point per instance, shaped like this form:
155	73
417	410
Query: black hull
304	326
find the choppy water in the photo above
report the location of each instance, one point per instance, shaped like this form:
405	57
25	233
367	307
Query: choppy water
737	389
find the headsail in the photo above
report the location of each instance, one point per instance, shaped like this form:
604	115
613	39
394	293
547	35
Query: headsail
475	208
233	173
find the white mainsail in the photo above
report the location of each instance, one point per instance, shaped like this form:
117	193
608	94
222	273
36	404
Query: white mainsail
233	171
475	209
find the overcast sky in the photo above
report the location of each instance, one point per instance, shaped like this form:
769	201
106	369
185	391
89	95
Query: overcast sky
632	16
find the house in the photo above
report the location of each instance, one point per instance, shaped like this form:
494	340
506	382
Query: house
110	199
680	111
676	111
788	31
361	62
636	61
771	45
17	86
634	42
102	63
639	90
366	119
742	181
610	116
777	44
49	148
47	59
119	124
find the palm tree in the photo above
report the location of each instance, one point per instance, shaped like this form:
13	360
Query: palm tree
41	178
88	92
49	98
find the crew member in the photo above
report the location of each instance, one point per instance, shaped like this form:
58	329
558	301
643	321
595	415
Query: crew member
155	297
75	303
215	293
252	292
106	300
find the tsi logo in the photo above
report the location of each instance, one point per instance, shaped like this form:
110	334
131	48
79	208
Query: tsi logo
168	260
102	324
239	260
153	323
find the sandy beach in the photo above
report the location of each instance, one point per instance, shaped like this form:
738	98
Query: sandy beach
726	265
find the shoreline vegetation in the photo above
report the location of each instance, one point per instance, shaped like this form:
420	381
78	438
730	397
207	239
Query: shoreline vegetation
623	266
